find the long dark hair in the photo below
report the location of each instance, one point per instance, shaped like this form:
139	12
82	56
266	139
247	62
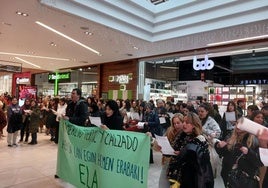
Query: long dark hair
114	106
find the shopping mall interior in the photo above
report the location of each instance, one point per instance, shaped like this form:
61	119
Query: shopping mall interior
134	49
160	41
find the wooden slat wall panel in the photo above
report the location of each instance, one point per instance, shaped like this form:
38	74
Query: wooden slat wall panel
118	68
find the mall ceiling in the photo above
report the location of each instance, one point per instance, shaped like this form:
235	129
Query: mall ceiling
56	34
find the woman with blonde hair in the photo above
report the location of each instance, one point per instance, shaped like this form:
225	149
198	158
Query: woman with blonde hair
172	132
191	167
240	152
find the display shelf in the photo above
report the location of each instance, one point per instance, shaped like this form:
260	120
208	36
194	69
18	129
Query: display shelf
222	95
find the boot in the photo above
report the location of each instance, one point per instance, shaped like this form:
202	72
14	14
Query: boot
26	137
34	139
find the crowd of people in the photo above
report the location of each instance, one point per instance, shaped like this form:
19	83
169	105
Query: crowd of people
203	140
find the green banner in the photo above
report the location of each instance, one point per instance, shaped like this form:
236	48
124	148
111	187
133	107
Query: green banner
96	158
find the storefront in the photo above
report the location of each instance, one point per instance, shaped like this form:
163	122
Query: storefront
118	80
231	78
67	81
6	83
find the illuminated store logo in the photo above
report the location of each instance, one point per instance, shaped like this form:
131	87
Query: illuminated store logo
23	80
59	76
121	79
205	64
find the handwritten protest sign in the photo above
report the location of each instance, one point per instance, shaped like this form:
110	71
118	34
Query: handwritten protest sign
96	158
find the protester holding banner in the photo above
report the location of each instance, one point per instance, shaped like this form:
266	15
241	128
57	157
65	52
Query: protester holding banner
191	166
77	110
112	118
172	132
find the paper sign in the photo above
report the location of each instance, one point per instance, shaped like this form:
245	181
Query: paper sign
264	156
170	115
162	120
95	121
250	126
166	148
230	116
140	125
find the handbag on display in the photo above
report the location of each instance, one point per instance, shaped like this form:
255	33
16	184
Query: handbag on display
238	178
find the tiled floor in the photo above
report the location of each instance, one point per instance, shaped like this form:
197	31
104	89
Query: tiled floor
34	166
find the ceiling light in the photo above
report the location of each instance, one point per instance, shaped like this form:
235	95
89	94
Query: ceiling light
27	62
89	68
30	52
80	69
67	37
238	40
135	47
88	33
22	14
35	56
53	44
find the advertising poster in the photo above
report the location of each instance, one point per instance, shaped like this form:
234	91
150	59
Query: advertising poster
26	92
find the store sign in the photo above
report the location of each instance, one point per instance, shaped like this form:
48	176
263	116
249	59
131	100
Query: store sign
64	76
10	68
205	64
258	81
121	79
22	80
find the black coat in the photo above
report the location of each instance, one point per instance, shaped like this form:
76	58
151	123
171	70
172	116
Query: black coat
114	122
249	163
192	167
77	112
14	115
